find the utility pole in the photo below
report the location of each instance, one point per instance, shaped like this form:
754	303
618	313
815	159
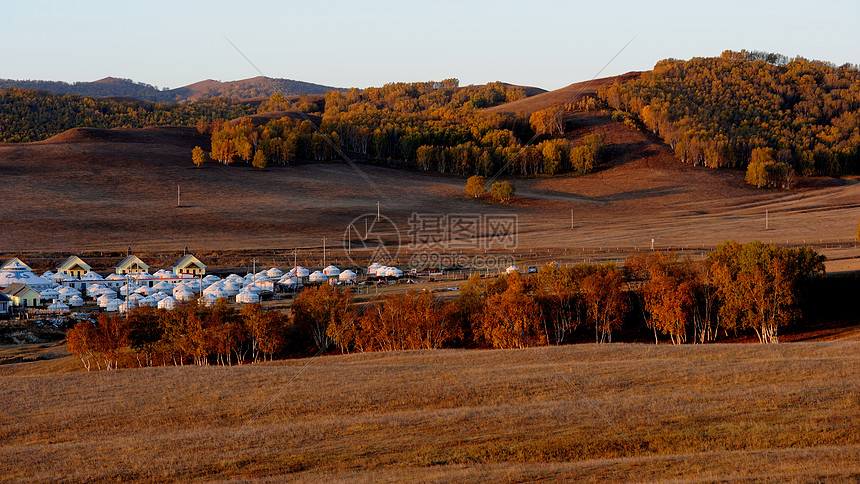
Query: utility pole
766	220
378	218
571	219
324	252
178	202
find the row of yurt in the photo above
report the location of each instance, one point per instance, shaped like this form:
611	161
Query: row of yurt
380	271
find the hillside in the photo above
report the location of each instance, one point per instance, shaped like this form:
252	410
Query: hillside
255	87
108	189
750	108
560	97
772	413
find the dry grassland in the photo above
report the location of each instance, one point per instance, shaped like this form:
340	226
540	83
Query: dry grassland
593	413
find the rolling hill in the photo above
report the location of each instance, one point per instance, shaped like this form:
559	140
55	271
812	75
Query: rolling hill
559	97
255	87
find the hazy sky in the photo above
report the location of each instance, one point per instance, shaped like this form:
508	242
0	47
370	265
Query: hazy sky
367	43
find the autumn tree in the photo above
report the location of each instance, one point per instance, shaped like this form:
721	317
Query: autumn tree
512	319
198	156
557	292
407	322
759	285
261	160
605	301
586	156
145	333
113	335
316	308
476	186
82	342
502	191
547	121
668	293
266	330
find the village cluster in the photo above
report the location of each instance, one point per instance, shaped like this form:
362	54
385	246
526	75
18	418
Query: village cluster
131	285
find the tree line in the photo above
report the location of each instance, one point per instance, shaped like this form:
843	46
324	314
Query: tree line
752	288
750	108
28	115
429	126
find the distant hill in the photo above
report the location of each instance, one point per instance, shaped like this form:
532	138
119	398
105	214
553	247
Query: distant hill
255	87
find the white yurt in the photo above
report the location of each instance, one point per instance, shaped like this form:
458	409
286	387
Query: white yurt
249	277
101	291
144	290
317	277
76	301
274	273
58	306
92	276
113	306
163	286
163	274
135	297
218	293
289	282
49	294
247	297
158	296
373	268
231	289
104	299
60	278
148	301
18	273
392	272
167	303
128	289
253	288
331	271
512	269
47	274
212	287
184	294
301	272
116	277
142	278
261	276
67	292
347	276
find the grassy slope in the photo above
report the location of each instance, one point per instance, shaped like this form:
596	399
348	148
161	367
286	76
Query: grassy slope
640	412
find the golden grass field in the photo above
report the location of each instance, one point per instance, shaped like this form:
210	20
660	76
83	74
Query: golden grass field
620	412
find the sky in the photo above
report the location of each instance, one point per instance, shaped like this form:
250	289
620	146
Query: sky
547	44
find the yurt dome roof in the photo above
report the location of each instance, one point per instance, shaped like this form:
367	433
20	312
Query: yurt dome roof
331	271
92	276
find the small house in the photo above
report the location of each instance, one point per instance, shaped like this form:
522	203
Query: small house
22	295
5	302
189	264
131	265
74	267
